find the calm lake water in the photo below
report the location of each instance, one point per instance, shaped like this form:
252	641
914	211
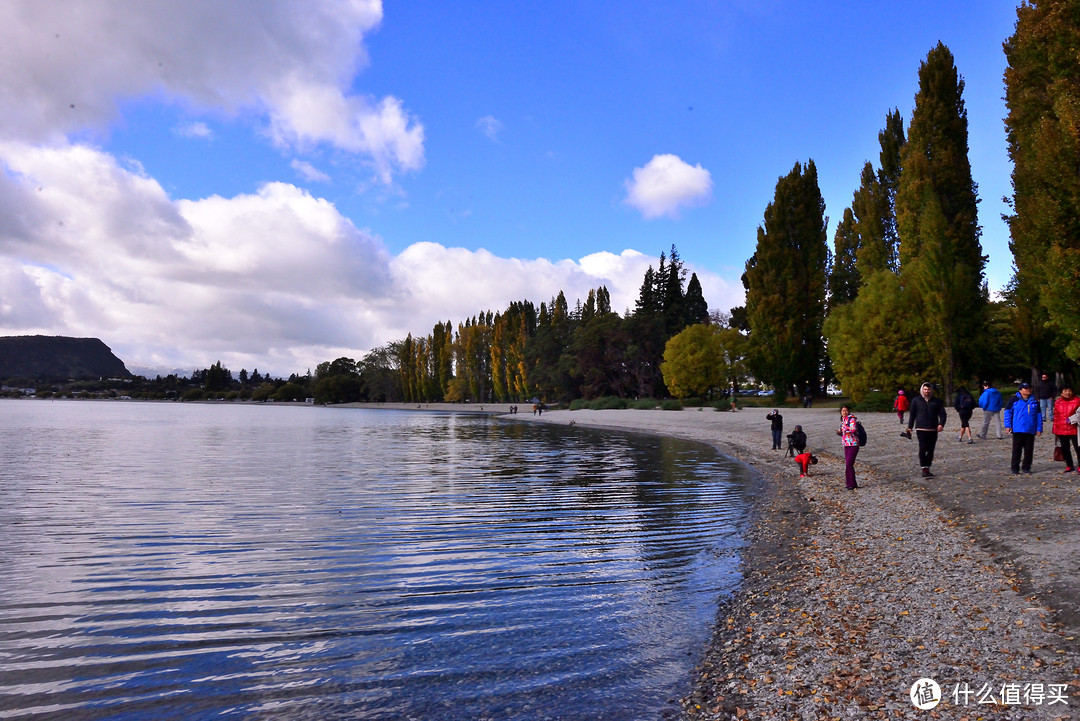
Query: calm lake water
185	561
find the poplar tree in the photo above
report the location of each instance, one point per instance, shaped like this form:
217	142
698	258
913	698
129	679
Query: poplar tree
1042	93
941	258
844	278
785	281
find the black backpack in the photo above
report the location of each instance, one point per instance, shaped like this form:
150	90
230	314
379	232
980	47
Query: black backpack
860	433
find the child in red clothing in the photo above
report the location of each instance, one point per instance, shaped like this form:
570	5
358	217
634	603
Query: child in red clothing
805	460
900	405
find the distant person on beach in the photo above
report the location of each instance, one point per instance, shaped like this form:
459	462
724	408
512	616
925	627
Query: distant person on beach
990	401
1047	393
777	427
928	419
900	405
1064	429
1023	419
805	460
849	436
964	404
796	441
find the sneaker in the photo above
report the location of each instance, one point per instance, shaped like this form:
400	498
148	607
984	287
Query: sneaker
925	472
1070	469
1027	471
970	441
981	438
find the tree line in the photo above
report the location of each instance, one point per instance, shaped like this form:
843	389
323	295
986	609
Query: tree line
900	296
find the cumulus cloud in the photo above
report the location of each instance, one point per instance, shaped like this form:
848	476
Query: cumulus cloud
666	185
490	126
276	279
66	65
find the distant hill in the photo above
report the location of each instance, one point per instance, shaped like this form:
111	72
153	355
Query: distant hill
39	357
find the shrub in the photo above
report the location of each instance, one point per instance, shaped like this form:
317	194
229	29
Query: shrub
876	401
671	405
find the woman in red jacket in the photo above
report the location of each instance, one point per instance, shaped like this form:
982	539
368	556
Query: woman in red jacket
1065	432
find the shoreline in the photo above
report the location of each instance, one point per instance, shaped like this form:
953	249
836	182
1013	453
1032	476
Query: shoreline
848	598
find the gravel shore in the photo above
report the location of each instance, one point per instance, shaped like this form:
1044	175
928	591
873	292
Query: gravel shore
968	578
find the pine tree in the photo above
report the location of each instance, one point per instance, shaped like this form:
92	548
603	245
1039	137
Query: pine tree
1043	98
697	309
940	254
785	280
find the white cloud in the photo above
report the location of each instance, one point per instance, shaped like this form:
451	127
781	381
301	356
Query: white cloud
65	66
490	126
666	185
276	279
198	130
309	172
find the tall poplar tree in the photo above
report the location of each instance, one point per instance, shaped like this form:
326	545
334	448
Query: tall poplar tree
785	281
1042	92
941	258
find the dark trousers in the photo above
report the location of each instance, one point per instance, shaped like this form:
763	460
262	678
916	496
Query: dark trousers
849	465
777	434
1068	445
927	443
1023	443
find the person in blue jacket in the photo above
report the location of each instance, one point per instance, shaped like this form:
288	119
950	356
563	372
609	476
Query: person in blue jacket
1023	418
990	402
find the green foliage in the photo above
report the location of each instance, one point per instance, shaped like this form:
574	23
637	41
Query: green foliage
1043	129
875	341
670	404
290	392
691	364
876	402
785	283
941	258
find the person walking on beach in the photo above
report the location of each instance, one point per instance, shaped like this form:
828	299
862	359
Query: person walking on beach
965	406
777	428
849	436
1023	419
990	401
1064	429
1047	393
900	405
928	419
796	441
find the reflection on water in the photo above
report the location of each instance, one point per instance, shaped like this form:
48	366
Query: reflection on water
196	561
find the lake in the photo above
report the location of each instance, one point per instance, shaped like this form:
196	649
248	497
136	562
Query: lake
196	561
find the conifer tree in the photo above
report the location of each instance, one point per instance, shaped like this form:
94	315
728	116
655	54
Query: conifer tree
844	277
1043	99
940	254
785	281
697	309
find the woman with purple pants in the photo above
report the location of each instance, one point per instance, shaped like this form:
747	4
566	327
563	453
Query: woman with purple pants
849	435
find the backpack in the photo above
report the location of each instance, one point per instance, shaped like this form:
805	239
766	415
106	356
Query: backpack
860	433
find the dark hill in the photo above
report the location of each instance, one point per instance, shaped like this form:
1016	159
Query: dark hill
42	357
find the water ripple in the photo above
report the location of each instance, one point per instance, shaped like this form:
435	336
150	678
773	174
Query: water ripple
193	561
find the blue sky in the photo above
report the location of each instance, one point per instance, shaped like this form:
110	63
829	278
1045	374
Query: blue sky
276	184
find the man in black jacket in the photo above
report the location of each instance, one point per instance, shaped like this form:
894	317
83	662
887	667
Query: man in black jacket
777	428
927	417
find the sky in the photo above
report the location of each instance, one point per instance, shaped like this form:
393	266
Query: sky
275	184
